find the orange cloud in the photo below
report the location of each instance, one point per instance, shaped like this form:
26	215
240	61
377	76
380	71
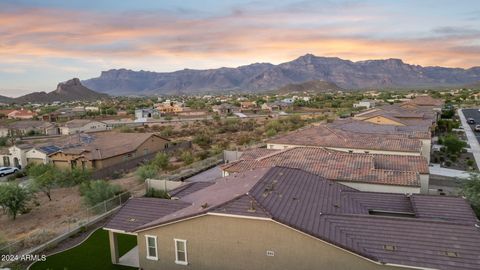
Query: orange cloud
241	37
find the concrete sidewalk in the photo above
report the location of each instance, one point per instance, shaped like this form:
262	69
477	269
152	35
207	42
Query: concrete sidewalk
472	139
435	169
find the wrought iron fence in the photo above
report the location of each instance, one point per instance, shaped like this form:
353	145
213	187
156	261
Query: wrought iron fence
41	238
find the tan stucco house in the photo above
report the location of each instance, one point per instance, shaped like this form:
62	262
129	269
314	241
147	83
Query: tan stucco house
284	218
82	126
105	149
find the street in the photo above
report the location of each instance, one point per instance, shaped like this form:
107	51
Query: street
475	114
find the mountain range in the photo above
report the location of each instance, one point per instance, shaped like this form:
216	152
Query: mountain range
370	74
71	90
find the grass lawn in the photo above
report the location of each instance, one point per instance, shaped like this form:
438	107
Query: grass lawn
94	253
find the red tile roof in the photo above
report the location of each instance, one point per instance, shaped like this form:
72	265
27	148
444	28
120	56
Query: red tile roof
328	137
358	126
340	166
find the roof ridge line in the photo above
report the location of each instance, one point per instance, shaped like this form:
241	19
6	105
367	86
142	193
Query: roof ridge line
275	153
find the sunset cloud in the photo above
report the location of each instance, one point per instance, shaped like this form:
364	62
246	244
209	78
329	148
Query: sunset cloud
82	42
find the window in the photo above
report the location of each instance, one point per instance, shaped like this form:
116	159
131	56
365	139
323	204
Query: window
151	247
181	251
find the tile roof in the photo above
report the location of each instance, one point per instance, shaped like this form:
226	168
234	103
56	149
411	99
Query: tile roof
189	188
101	145
77	123
255	153
138	211
406	113
341	166
426	101
342	216
353	125
24	124
328	137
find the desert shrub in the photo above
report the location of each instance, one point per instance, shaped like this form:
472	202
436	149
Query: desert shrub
147	171
203	139
470	162
167	131
97	191
187	157
161	160
75	176
271	132
202	155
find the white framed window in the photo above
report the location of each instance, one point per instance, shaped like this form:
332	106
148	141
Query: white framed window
151	242
180	251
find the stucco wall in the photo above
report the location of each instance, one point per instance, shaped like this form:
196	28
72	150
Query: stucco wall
153	144
219	243
36	156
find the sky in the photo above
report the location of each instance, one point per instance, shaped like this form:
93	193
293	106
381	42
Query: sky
43	42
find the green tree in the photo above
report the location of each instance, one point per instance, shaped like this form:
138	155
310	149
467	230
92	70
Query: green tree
453	144
95	192
14	199
471	190
45	177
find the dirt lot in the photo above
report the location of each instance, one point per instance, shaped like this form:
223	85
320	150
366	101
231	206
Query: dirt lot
52	215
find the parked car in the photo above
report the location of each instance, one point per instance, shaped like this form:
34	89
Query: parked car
477	128
471	121
7	170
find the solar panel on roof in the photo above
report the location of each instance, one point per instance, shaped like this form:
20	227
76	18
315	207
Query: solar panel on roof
50	149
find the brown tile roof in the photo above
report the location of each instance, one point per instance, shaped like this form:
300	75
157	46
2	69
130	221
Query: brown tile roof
401	163
24	124
328	137
189	188
255	153
353	125
77	123
341	166
103	145
406	113
342	216
223	191
139	211
427	101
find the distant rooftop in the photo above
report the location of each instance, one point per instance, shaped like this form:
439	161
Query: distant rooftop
336	165
328	137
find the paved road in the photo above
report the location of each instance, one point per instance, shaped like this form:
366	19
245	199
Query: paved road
473	137
475	114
